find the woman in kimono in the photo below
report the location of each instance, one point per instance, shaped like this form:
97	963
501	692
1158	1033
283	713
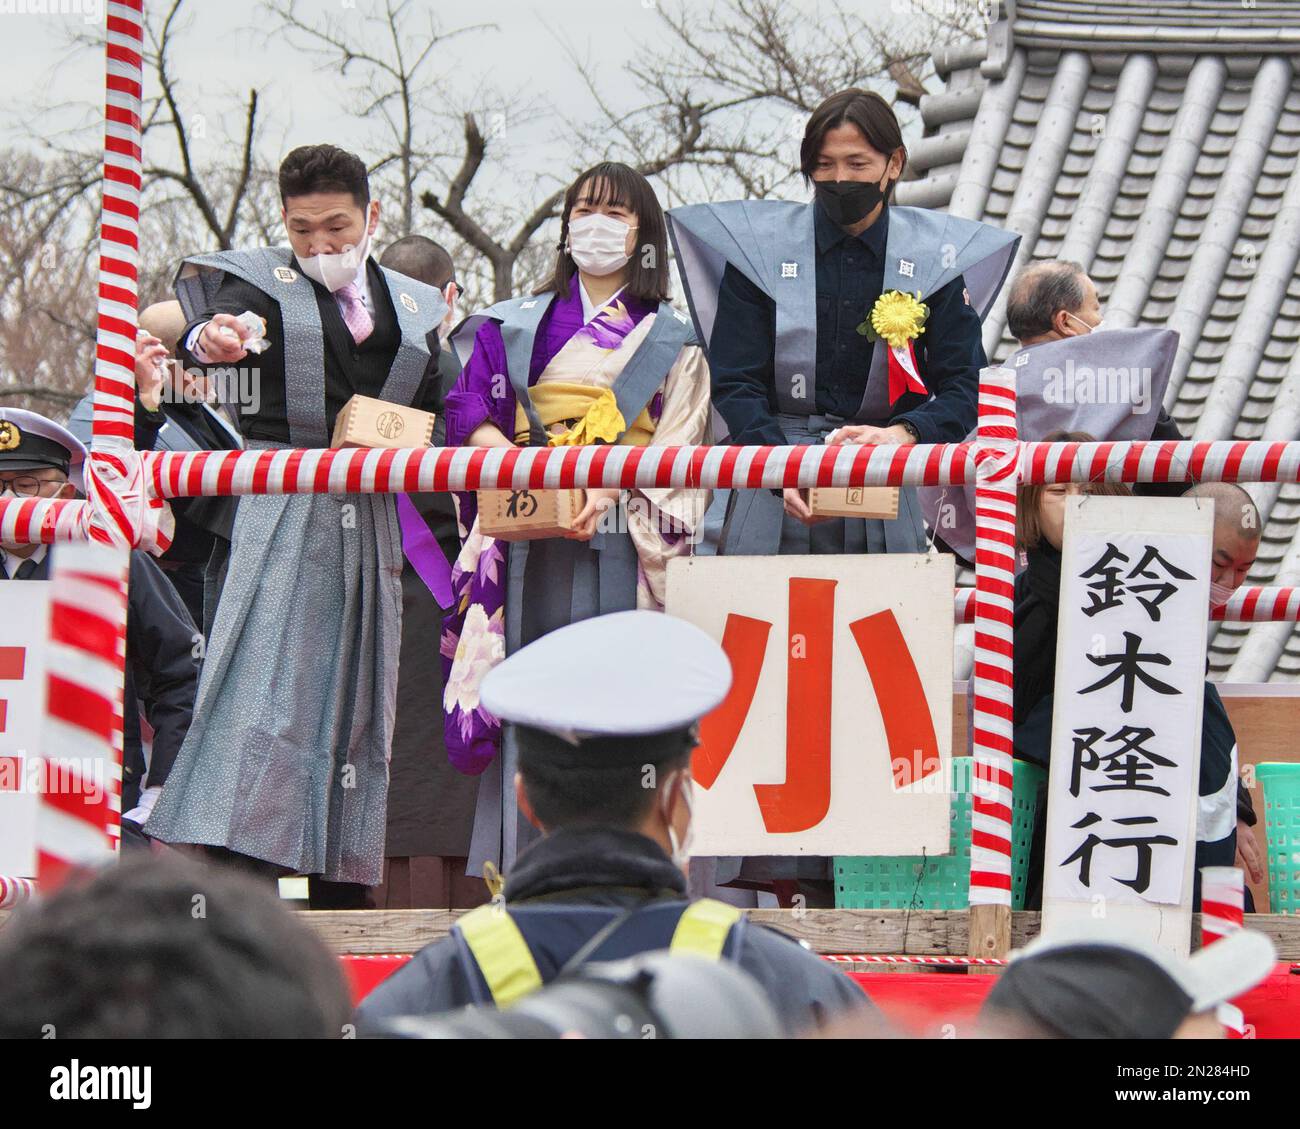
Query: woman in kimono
596	355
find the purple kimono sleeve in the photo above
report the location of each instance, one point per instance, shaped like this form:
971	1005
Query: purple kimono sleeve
482	393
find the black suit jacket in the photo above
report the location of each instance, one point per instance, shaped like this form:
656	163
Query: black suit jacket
349	368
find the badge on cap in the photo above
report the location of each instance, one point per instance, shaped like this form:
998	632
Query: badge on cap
10	436
284	274
409	303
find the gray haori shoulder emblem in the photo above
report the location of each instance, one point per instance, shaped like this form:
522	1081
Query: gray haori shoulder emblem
906	268
789	270
528	305
409	303
1022	359
285	274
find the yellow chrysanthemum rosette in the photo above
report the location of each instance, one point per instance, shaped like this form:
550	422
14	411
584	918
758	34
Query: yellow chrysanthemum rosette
898	318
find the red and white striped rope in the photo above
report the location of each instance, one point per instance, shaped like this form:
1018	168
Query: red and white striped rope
1183	460
868	958
359	470
15	890
31	521
1247	605
79	819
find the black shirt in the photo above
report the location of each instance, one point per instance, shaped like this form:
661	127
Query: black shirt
850	276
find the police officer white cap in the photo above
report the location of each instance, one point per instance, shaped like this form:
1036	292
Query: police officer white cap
29	441
627	674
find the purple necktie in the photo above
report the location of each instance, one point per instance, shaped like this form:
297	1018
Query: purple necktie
355	315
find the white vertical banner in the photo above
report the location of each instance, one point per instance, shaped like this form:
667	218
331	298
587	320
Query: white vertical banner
24	627
1126	724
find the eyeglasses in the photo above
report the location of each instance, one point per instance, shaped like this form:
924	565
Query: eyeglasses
25	486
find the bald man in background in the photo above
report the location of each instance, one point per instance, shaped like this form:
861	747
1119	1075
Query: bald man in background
1237	532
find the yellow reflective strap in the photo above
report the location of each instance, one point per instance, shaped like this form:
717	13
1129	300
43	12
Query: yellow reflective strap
501	953
703	928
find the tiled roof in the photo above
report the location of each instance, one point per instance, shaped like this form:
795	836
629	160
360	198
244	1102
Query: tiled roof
1155	143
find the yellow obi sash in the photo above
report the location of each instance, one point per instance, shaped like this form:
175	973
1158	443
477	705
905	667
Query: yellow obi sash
590	415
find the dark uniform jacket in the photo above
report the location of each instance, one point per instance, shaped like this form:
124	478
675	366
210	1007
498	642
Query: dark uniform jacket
607	869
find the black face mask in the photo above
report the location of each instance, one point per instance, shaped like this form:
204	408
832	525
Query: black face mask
847	202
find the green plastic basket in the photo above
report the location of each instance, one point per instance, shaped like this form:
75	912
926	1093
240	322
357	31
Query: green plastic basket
1281	784
942	881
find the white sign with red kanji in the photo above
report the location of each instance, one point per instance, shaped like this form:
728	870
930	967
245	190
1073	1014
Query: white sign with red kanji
1126	726
24	626
836	736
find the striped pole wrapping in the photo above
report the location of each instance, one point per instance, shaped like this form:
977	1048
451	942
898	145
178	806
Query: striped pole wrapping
359	470
1223	902
119	231
1223	911
15	890
995	542
79	820
1247	605
123	509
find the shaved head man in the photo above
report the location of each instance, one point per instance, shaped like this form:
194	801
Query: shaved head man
1237	532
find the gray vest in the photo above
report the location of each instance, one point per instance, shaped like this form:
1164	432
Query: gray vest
641	378
274	271
773	244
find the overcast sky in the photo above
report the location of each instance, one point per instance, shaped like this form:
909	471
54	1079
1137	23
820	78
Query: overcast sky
227	51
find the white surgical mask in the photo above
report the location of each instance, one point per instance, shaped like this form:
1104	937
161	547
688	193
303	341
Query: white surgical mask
1220	594
335	271
598	244
682	849
1090	328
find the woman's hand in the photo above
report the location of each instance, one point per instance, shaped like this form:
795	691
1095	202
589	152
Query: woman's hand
598	501
487	435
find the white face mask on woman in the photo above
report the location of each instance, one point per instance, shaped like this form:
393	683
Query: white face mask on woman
598	244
